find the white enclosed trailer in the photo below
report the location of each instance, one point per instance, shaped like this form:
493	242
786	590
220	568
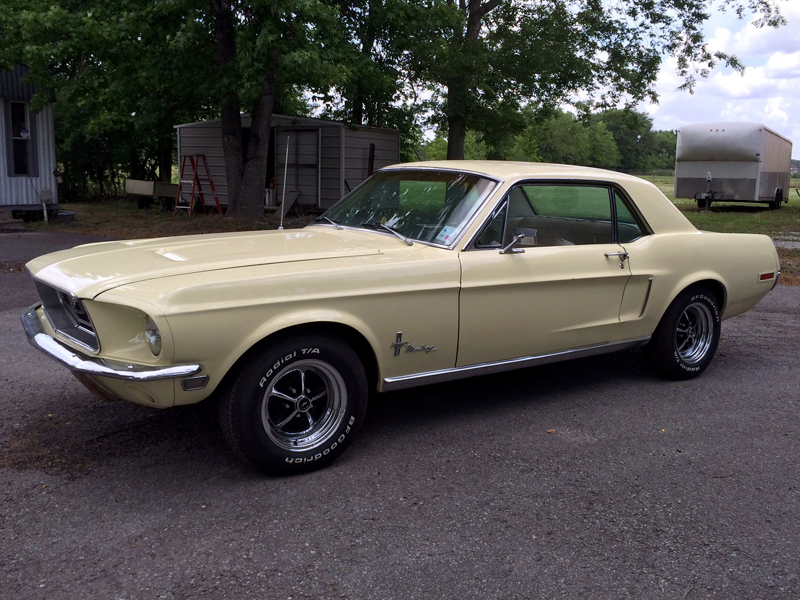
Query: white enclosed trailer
732	162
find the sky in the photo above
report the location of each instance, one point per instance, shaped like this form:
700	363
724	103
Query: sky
768	92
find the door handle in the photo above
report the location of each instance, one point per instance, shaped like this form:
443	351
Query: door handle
622	257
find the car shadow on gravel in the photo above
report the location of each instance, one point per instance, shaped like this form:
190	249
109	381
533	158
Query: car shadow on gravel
511	392
84	434
75	439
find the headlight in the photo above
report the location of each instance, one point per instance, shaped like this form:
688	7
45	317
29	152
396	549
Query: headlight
153	336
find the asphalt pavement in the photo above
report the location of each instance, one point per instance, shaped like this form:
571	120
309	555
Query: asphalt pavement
586	479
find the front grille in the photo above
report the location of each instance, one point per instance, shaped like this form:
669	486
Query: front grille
68	316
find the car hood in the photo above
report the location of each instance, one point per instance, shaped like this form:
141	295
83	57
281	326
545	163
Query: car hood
91	269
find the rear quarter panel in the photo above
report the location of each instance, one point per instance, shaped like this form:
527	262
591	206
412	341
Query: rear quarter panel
678	260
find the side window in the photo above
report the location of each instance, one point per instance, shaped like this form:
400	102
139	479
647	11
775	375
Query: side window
492	235
628	228
566	215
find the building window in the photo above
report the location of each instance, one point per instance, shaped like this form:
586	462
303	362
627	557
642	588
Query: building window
20	138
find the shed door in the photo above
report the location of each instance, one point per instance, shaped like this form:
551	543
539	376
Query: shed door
302	164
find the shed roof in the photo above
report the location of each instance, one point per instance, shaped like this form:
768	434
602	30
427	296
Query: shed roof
288	120
12	87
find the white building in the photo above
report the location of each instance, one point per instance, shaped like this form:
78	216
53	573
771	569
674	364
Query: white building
27	146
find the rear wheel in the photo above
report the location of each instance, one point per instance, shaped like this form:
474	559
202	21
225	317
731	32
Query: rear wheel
702	203
687	337
296	405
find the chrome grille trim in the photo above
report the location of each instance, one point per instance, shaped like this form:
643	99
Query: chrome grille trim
76	311
68	316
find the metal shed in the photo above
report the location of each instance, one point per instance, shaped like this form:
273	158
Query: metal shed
27	146
326	159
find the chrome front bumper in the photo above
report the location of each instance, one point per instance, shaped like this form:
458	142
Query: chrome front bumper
80	363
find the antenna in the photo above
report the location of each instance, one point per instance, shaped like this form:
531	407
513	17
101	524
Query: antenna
285	168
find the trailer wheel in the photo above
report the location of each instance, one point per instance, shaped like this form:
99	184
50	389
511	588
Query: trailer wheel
776	204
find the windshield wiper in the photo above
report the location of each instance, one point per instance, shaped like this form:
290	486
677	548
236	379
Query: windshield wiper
392	230
333	222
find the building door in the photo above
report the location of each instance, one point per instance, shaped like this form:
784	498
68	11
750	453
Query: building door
300	164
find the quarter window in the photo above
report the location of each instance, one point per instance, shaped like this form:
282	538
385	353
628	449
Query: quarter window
492	235
628	228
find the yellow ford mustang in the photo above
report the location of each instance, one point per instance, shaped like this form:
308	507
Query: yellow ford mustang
425	273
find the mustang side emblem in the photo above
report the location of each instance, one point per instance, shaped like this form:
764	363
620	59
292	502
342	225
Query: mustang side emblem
399	344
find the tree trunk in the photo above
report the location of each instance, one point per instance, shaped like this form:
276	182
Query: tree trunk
456	135
137	169
245	168
458	88
253	182
165	155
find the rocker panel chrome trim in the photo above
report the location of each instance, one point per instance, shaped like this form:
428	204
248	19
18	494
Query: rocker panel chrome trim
407	381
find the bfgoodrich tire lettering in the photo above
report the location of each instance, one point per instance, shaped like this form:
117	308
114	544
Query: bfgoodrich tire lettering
687	337
295	405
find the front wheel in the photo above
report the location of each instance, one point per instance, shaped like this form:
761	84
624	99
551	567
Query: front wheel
295	405
687	337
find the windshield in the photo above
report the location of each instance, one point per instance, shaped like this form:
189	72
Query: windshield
425	205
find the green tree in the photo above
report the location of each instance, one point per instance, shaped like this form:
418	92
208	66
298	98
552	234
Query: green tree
563	138
633	136
663	154
603	151
526	145
120	88
474	148
141	65
508	52
382	34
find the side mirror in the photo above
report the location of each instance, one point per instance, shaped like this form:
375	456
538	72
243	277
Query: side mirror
509	249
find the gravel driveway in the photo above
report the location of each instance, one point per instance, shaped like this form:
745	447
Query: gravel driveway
586	479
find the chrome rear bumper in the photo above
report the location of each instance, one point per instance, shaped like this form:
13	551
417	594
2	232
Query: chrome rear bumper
80	363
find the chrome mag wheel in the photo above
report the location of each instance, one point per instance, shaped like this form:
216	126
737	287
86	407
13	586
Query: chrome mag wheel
686	339
695	332
304	405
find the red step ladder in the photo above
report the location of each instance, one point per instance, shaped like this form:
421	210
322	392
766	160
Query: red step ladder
196	195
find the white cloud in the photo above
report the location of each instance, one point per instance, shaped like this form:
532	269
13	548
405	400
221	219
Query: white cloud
768	92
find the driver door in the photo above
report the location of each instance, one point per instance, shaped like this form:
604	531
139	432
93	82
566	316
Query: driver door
559	287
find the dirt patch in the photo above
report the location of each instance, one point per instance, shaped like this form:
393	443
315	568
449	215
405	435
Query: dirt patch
790	265
789	280
84	437
12	267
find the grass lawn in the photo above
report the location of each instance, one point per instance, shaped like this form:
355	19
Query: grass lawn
120	218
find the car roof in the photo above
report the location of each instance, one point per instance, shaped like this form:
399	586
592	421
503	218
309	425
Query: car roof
661	215
510	171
